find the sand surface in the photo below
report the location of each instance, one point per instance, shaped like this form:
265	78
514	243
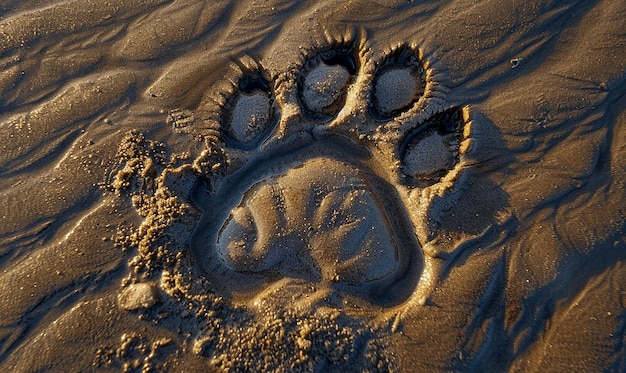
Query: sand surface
288	185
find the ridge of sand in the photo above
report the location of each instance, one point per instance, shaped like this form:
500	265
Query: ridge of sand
483	140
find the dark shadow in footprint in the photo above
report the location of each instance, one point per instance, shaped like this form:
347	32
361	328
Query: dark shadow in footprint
324	81
251	113
469	215
326	221
432	149
398	83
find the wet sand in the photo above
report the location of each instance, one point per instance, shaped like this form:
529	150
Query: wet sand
306	186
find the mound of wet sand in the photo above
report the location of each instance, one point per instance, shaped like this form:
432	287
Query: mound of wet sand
306	186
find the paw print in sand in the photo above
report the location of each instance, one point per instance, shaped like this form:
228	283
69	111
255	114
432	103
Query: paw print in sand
322	161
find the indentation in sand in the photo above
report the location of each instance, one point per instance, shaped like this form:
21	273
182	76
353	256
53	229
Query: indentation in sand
324	81
248	116
319	217
323	86
395	89
431	150
398	83
522	223
251	116
427	156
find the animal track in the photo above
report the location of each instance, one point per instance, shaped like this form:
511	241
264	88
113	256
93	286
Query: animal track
250	113
314	197
323	83
398	83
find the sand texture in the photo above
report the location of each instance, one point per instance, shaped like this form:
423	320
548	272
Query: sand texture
312	186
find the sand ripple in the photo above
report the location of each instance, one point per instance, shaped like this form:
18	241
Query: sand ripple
299	186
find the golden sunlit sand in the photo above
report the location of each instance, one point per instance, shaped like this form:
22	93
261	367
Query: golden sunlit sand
320	186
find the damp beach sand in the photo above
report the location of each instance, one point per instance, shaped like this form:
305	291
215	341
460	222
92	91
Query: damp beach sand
307	186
